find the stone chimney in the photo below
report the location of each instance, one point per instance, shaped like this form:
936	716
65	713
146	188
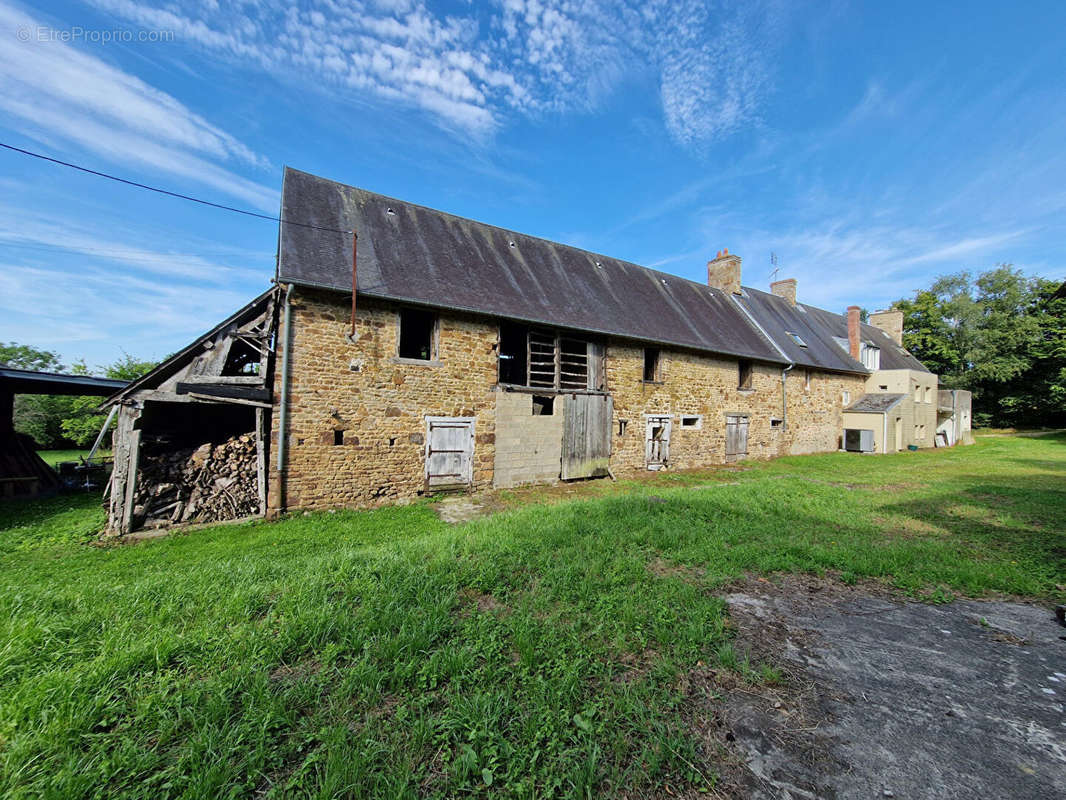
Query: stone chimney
785	288
723	272
891	322
854	333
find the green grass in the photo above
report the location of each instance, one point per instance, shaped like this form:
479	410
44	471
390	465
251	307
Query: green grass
53	457
533	653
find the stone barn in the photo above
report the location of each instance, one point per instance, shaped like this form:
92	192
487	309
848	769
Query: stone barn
440	353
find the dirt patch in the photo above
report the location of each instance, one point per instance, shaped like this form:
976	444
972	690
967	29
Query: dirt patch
471	600
635	666
294	673
665	569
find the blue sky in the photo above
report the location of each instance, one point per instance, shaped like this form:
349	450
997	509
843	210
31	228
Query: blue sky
870	146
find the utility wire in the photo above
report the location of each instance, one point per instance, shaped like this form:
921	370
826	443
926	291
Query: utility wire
169	193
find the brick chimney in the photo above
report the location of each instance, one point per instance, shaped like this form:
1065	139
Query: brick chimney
785	288
891	322
723	272
854	331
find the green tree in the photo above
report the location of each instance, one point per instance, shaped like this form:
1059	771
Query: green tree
24	356
80	422
1000	335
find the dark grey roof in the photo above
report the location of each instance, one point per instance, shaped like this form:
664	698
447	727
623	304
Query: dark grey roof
779	318
415	254
875	403
27	381
892	355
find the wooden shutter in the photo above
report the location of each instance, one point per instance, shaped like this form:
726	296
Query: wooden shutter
449	451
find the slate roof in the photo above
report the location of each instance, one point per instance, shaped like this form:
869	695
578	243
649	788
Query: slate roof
892	355
875	403
413	254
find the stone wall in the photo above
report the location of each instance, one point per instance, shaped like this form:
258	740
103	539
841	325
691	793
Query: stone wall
707	386
378	403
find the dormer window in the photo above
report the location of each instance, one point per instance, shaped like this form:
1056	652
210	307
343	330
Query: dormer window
871	356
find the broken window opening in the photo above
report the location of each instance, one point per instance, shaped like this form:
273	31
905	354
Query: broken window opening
652	365
243	359
776	422
418	331
745	370
691	421
545	359
338	438
543	406
622	425
512	353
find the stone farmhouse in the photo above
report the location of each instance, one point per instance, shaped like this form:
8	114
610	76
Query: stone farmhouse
469	357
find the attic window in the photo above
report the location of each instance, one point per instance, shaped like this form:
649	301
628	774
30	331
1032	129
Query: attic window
691	421
797	339
418	334
745	369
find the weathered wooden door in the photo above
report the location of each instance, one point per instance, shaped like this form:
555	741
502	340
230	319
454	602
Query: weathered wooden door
449	451
657	441
587	424
736	436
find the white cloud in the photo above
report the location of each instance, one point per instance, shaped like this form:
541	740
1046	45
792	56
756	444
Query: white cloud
472	71
54	89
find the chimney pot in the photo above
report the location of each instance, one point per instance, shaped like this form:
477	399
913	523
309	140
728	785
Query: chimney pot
891	322
854	331
786	289
723	272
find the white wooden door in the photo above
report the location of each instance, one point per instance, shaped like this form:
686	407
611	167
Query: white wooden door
657	441
449	451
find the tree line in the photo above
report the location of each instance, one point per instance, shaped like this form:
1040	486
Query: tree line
998	334
62	422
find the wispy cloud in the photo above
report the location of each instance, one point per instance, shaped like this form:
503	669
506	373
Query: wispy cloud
56	90
529	57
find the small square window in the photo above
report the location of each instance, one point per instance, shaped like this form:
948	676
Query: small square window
543	406
418	333
652	365
693	421
745	369
776	422
845	398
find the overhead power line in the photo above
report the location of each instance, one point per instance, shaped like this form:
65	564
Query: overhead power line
169	193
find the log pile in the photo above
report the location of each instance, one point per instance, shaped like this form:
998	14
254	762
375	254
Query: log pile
209	483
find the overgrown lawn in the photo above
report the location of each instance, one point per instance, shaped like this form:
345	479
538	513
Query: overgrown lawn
533	653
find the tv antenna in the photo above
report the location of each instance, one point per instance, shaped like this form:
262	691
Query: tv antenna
773	264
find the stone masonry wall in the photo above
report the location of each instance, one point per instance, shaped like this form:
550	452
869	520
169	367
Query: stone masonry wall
381	407
704	385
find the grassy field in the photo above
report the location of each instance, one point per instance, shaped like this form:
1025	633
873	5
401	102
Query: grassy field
53	457
533	653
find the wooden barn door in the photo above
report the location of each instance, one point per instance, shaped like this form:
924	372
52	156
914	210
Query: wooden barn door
587	424
736	436
657	441
449	452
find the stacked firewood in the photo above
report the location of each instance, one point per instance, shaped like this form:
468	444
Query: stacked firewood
208	483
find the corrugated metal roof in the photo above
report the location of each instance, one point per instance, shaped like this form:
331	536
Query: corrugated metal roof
892	355
28	381
875	403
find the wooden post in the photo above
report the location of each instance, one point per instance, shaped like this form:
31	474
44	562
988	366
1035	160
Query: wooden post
260	458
